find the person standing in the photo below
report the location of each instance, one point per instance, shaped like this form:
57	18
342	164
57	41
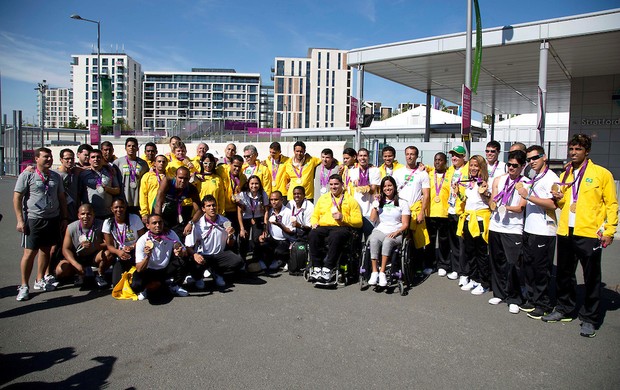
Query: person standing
98	185
149	186
588	221
323	172
389	164
40	218
496	168
150	152
364	182
437	221
276	163
300	170
83	155
539	234
132	169
69	175
458	172
253	167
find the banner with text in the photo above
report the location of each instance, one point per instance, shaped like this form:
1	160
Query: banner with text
466	118
353	113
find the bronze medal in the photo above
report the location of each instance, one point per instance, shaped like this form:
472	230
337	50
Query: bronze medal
437	199
573	207
492	205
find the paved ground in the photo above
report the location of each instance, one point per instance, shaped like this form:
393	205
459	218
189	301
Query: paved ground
281	333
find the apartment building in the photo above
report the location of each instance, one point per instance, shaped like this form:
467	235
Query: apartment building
126	76
266	106
313	91
58	107
202	94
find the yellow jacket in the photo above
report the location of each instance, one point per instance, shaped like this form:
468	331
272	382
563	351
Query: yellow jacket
149	185
350	209
439	209
472	225
307	176
597	204
229	205
212	185
173	165
419	230
395	165
263	173
279	184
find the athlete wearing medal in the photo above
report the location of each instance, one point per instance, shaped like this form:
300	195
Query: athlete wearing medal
364	182
132	169
253	167
300	170
588	221
98	185
496	168
323	172
455	174
149	186
539	234
437	220
334	214
276	164
389	165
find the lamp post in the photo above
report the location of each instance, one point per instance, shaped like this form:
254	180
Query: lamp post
42	88
78	17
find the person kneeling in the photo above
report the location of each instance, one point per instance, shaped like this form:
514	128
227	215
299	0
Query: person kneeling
335	213
159	259
83	247
211	239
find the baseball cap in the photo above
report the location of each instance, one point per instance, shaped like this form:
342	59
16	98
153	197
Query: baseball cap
460	150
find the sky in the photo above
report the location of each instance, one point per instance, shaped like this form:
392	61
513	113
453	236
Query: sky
37	37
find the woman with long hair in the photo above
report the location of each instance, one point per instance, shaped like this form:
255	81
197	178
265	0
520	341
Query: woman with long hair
391	215
120	233
252	213
209	183
474	226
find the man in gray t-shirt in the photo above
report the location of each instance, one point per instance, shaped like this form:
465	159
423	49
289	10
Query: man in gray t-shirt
98	185
69	175
132	169
39	219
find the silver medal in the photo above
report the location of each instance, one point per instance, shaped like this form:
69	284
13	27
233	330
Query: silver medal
133	184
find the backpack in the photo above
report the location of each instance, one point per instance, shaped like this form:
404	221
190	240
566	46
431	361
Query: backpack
298	258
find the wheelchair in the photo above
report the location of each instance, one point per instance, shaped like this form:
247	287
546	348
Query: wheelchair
398	270
346	272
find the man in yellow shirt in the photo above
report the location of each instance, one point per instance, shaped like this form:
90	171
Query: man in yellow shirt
335	213
150	152
276	164
300	170
437	216
588	222
149	186
389	165
201	150
180	160
253	167
233	180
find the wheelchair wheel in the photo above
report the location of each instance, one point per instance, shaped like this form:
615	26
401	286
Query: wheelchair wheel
401	288
364	268
407	273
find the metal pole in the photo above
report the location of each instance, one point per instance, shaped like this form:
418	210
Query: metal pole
468	47
99	80
360	106
542	84
42	88
427	129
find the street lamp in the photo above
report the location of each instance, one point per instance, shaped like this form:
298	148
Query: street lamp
78	17
42	88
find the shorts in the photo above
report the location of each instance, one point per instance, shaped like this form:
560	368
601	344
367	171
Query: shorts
87	260
41	233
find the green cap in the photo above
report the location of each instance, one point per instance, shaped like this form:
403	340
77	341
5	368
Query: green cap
460	150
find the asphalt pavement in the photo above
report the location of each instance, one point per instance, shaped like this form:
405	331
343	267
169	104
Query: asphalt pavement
279	332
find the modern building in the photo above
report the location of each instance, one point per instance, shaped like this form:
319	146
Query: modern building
312	92
266	106
200	95
126	76
58	107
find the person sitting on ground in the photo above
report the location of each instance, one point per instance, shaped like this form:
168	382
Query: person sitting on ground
334	215
159	260
210	240
392	215
252	217
276	244
83	247
120	233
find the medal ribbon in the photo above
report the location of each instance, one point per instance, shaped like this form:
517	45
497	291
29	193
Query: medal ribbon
339	204
410	179
132	170
274	169
322	179
300	210
89	234
364	175
121	236
507	191
440	182
301	168
46	181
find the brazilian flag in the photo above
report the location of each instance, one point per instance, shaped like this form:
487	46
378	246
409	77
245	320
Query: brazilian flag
106	101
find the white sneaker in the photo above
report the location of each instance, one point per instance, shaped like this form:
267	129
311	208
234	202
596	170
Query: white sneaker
441	272
219	280
142	296
453	275
43	285
514	309
285	268
382	279
207	273
262	265
463	280
101	282
22	293
199	284
495	301
326	274
51	279
479	290
315	273
178	291
374	278
469	286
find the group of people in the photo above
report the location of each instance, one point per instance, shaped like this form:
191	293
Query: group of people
491	225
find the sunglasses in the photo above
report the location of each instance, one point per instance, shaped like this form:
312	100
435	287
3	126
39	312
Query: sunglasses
491	151
509	165
247	157
534	158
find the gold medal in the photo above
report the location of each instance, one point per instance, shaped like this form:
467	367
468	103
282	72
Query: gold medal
555	188
482	188
299	181
437	199
148	244
573	207
518	186
492	205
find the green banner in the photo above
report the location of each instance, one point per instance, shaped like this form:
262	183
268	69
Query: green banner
106	101
478	53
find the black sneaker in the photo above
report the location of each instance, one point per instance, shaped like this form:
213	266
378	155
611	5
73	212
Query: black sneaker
527	307
537	313
556	316
587	330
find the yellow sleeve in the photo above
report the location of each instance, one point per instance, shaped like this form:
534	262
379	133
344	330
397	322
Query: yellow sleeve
351	212
611	204
144	187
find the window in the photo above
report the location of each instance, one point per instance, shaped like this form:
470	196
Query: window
339	60
327	66
292	68
104	61
319	61
280	68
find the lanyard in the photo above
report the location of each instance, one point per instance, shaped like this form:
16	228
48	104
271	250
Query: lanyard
507	191
132	170
212	225
322	178
46	180
274	169
339	204
121	236
89	234
440	182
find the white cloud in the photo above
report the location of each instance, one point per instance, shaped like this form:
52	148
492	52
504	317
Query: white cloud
31	60
367	9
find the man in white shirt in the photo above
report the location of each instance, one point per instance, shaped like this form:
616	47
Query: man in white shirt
301	213
364	182
275	247
210	240
414	186
539	234
496	168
